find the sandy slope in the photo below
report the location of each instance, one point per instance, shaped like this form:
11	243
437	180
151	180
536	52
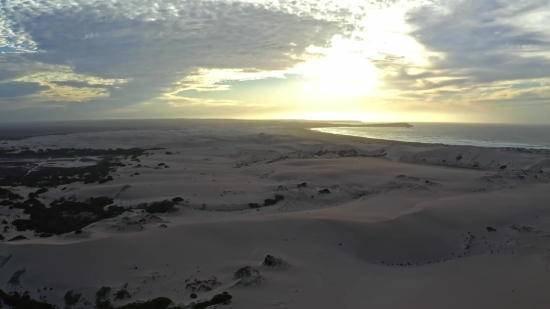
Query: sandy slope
402	231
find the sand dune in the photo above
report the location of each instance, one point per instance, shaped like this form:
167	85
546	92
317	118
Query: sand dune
363	224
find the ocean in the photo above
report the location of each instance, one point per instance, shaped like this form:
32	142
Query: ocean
482	135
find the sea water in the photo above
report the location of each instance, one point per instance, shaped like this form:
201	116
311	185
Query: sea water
482	135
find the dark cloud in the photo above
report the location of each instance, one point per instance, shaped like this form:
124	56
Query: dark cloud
478	44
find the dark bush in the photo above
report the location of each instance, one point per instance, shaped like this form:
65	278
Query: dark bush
103	304
102	293
219	299
18	301
157	303
177	199
45	235
503	167
55	176
71	298
41	190
253	205
32	195
324	191
302	185
65	216
459	158
6	203
79	231
7	194
270	202
271	261
193	295
160	207
20	237
122	294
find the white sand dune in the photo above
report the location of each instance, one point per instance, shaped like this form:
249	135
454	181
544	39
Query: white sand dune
406	230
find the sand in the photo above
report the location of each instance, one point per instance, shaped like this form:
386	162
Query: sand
404	226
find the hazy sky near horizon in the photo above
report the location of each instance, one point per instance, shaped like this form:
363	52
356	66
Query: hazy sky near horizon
388	60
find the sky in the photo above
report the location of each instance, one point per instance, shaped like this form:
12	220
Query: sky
377	61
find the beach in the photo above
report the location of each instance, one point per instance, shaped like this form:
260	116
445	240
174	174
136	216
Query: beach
351	222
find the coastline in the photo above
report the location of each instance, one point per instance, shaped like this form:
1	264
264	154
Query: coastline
541	150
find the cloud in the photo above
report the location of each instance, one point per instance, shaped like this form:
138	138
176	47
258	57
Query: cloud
154	45
95	57
15	89
475	42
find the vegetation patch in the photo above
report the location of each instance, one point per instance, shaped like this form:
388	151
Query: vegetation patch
219	299
157	303
14	280
6	202
203	285
160	207
7	194
45	177
324	191
24	301
122	294
20	237
270	202
41	190
66	215
273	262
71	298
248	276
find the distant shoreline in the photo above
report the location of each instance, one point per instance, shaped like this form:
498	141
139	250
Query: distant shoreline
423	144
29	130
